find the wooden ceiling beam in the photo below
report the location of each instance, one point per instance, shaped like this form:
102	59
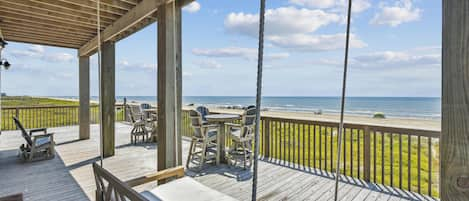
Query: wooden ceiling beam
74	8
116	4
16	29
5	13
133	2
7	25
142	24
44	37
23	39
93	5
34	6
48	23
138	13
141	11
26	23
9	7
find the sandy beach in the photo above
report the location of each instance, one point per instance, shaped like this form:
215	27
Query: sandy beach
426	124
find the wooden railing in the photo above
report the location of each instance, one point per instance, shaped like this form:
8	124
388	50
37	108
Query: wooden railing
399	157
50	116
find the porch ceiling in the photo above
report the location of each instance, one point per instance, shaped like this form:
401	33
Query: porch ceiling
72	23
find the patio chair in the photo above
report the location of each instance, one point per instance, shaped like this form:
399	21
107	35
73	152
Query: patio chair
204	140
109	187
203	112
35	144
141	128
241	136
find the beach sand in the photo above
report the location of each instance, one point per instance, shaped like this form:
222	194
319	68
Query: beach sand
426	124
414	123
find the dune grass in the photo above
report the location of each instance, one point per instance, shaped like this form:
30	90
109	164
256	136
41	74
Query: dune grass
52	112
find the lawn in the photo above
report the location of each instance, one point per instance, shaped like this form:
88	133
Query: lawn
35	112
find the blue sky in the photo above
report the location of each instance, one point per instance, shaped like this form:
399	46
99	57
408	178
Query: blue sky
396	51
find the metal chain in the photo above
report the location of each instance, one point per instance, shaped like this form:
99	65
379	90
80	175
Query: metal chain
342	105
258	97
98	30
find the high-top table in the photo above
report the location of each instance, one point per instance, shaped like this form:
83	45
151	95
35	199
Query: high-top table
221	119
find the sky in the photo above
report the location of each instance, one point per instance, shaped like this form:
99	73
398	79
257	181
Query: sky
395	51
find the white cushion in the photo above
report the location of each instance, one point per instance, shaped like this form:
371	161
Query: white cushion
185	189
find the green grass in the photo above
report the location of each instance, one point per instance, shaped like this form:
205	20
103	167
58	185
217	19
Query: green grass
292	144
52	112
27	101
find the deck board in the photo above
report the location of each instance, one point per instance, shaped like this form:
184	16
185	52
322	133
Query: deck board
69	175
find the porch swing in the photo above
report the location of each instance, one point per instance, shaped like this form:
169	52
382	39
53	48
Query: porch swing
110	187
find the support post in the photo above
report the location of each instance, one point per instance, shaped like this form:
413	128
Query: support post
169	85
84	93
454	164
107	97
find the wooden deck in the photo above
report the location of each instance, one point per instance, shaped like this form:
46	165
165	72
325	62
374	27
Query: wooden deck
69	176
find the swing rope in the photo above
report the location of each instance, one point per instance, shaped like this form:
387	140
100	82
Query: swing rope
342	104
258	96
98	30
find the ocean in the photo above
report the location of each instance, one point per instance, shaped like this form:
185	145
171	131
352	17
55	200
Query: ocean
401	107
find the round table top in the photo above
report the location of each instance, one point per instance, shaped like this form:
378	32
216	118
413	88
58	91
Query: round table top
222	117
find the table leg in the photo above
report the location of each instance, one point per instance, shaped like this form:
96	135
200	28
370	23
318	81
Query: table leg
222	143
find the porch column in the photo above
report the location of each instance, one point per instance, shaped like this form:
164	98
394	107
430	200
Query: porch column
454	144
84	93
169	85
107	97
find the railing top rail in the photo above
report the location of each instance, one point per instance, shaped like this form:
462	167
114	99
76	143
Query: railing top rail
371	127
49	106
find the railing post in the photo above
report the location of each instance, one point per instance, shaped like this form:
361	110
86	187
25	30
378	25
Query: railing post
367	151
17	113
266	138
125	110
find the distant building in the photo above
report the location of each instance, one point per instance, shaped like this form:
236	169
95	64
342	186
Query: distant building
4	94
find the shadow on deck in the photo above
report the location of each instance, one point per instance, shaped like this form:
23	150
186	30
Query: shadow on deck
69	176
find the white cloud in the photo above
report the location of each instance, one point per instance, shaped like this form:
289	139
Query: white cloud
292	28
334	5
58	57
208	64
393	15
238	52
187	74
39	52
280	21
124	64
304	42
276	56
396	59
247	53
192	7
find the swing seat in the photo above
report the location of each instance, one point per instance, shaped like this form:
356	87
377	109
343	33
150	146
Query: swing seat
110	188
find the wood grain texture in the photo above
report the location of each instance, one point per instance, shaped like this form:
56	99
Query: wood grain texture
108	94
455	101
84	92
168	85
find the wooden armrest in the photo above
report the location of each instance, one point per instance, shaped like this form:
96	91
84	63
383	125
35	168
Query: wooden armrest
44	135
233	125
37	130
15	197
210	126
177	172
